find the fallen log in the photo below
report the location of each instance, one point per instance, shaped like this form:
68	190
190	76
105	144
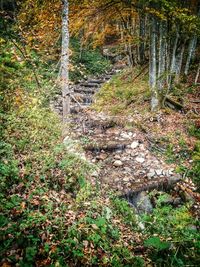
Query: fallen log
173	104
111	146
162	185
84	90
89	85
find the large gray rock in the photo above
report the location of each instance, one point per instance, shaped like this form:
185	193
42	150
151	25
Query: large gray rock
142	202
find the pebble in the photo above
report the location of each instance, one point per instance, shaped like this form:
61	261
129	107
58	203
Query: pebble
117	157
142	147
159	172
127	169
140	160
125	136
135	144
117	163
95	174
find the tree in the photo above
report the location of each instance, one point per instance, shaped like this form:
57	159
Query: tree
65	60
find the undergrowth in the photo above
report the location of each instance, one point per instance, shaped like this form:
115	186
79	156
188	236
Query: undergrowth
50	215
121	94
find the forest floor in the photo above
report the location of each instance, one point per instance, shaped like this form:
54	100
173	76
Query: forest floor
133	150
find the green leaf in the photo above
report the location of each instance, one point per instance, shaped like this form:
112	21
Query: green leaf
156	243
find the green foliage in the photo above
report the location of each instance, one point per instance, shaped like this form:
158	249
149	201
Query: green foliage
86	61
123	209
194	131
156	243
172	236
195	172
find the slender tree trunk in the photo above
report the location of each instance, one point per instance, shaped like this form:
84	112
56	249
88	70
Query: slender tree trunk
152	66
179	62
191	50
173	61
197	75
142	36
162	51
65	60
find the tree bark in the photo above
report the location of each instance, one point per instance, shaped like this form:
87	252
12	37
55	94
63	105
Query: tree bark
65	60
173	61
162	51
179	62
191	50
152	66
142	37
197	75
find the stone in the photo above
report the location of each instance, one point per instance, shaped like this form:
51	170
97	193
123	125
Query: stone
151	174
135	144
117	163
127	169
102	156
142	147
125	135
124	158
140	160
126	179
95	174
159	172
177	201
117	157
142	202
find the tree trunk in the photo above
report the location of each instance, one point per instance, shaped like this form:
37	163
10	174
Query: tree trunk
162	51
197	75
173	62
142	36
152	66
179	62
191	50
65	60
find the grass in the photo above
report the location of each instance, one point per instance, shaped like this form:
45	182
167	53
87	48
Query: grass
120	95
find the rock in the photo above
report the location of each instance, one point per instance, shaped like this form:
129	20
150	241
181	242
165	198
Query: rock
102	156
170	172
140	160
124	158
117	163
135	144
125	136
177	201
95	174
142	202
151	174
159	172
142	147
127	169
126	179
117	157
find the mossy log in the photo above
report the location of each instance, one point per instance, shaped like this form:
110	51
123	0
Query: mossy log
162	185
173	104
